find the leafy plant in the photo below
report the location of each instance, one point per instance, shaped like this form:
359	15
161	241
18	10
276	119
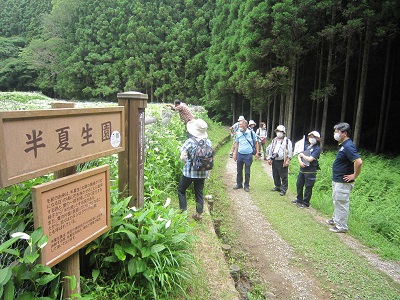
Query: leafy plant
148	246
25	272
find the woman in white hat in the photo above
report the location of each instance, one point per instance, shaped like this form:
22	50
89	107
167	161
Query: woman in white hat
308	160
197	129
262	136
279	156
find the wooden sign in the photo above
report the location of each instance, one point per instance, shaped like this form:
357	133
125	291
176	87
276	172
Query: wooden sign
73	211
34	143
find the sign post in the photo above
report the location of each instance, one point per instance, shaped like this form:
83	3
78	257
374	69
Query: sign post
69	267
131	161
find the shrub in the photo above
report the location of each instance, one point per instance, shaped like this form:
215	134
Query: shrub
148	248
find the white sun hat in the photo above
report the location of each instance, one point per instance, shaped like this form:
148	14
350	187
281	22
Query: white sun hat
197	128
241	118
315	133
281	128
251	122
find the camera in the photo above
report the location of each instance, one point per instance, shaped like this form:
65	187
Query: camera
274	155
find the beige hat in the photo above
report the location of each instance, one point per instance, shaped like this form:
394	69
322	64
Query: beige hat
197	128
241	118
281	128
251	122
315	133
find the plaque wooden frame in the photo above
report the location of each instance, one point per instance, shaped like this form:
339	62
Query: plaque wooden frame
20	160
62	212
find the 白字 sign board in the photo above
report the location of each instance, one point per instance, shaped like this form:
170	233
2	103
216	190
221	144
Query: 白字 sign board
73	211
34	143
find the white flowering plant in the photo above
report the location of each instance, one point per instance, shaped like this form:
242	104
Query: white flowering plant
25	271
149	246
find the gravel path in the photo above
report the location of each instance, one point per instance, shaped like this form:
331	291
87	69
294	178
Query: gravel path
272	257
267	251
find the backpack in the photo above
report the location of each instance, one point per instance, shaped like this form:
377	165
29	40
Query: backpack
202	157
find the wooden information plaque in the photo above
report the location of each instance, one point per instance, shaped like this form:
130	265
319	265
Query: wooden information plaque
73	211
34	143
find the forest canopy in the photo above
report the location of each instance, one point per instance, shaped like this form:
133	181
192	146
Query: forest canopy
307	64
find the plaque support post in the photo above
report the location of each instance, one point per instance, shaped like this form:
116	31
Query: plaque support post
70	265
131	161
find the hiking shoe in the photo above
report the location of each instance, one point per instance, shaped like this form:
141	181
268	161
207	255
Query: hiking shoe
299	205
330	222
197	217
275	189
337	230
246	189
236	187
295	201
283	193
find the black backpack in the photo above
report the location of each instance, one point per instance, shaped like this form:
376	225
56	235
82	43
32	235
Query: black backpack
202	157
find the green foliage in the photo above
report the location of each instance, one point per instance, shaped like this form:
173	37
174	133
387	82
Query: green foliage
24	278
149	247
22	18
162	156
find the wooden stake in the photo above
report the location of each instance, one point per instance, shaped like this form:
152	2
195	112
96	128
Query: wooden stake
70	265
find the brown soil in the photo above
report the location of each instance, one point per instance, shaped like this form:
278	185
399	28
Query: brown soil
273	259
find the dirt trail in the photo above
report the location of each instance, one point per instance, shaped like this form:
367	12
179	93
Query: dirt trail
273	258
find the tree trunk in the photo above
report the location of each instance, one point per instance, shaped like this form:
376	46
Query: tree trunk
282	108
295	102
321	62
289	115
326	98
274	114
346	80
313	102
267	123
383	100
363	84
242	105
233	106
387	109
357	89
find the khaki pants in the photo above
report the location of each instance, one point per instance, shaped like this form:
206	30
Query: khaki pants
341	203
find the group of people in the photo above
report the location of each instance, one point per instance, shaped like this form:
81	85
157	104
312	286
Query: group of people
345	169
247	143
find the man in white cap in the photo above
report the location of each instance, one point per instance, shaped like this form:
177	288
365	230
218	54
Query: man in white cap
234	129
279	156
245	142
197	128
308	160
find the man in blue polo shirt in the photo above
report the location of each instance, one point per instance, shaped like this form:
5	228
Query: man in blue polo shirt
345	169
245	141
234	129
